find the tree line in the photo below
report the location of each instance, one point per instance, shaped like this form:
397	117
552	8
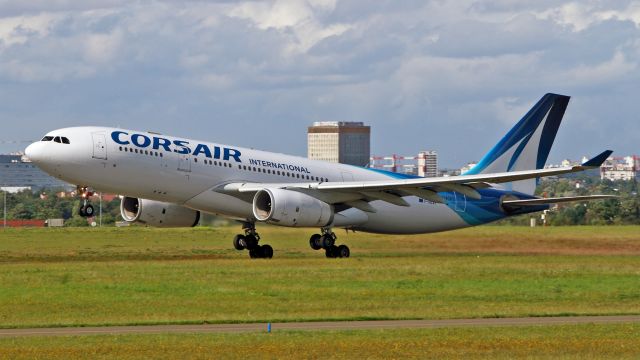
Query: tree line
623	211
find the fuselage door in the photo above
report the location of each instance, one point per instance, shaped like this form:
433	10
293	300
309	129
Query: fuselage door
347	176
184	162
460	202
99	146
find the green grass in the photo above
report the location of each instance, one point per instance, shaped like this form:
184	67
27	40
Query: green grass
569	341
66	277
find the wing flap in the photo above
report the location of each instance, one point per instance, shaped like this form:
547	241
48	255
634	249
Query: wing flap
544	201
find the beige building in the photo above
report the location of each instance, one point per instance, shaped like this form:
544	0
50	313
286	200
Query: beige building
620	168
339	142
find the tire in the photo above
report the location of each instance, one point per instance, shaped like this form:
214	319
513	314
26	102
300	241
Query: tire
88	211
343	251
314	242
254	253
331	252
266	251
328	242
238	241
250	242
81	212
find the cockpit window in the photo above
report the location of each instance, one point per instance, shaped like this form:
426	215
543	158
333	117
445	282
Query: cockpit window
47	138
65	140
57	139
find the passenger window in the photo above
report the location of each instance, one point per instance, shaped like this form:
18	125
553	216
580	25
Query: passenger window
65	140
57	139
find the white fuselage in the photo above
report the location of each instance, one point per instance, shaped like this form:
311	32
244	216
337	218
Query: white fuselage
193	174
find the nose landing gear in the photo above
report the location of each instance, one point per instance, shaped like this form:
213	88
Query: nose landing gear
86	210
250	241
327	241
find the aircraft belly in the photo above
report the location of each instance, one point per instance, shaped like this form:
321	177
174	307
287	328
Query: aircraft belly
415	219
217	203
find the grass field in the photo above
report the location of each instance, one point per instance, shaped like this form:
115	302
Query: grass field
53	277
137	276
573	342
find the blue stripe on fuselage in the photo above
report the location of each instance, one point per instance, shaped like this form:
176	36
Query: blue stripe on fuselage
475	211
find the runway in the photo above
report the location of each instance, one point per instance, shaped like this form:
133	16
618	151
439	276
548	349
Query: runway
310	326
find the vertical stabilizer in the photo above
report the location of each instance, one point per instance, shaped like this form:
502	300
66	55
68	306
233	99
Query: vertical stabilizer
526	146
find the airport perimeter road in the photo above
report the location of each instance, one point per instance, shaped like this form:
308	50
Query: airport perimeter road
333	325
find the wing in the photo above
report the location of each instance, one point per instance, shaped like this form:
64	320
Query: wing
358	193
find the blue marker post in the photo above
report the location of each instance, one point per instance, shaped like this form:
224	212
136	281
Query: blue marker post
269	327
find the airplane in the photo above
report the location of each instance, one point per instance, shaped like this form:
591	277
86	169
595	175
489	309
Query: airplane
167	181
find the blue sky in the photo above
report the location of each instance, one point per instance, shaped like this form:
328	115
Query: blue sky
451	76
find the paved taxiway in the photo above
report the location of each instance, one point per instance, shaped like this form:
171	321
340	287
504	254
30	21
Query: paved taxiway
332	325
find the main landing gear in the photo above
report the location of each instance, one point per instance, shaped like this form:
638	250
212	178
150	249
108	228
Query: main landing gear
327	241
250	241
86	210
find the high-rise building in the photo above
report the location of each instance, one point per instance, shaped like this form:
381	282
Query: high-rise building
428	163
339	142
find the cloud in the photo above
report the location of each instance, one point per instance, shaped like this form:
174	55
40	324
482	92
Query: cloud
256	73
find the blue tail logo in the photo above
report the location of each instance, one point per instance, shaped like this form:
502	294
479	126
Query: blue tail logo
526	146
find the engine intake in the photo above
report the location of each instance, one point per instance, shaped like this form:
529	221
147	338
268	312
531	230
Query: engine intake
157	213
291	208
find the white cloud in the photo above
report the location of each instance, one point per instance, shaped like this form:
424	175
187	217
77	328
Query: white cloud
291	15
415	70
581	15
18	30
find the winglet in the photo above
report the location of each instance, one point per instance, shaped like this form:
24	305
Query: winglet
598	160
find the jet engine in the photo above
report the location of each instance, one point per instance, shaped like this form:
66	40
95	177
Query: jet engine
291	208
157	214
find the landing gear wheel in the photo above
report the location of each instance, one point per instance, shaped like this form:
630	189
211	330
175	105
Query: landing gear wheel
238	242
315	241
251	242
343	251
328	241
331	252
254	253
88	210
266	251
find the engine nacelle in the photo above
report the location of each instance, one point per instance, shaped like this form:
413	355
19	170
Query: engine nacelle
158	214
291	208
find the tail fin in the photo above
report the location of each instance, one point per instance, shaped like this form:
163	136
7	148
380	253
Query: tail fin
526	146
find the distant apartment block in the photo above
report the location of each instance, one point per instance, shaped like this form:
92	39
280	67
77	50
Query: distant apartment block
620	168
16	171
339	142
425	164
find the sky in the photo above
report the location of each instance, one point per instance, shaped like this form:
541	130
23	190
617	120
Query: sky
450	76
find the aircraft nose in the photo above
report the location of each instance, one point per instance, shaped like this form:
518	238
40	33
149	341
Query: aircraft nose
33	152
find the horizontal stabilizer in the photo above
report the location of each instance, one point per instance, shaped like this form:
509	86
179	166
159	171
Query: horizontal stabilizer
544	201
598	160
